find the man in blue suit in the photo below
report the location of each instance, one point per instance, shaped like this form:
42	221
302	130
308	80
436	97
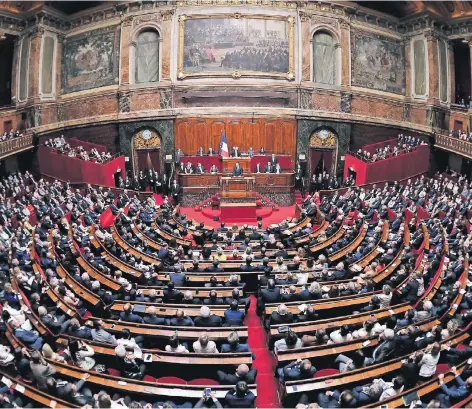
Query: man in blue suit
30	338
238	170
233	315
233	344
128	315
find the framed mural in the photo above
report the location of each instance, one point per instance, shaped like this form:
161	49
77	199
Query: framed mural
91	59
377	62
236	45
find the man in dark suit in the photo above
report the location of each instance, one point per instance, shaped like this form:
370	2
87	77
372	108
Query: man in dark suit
238	170
200	151
180	320
75	392
410	292
200	170
273	160
175	190
240	396
243	373
234	317
152	318
207	319
385	349
56	324
271	294
233	345
235	152
178	155
269	168
171	295
128	315
281	316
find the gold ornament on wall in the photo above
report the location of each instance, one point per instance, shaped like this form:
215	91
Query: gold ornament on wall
146	139
324	138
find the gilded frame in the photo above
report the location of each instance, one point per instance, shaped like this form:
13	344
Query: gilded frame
290	75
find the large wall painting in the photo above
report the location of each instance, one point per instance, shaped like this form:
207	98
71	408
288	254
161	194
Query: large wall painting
236	45
378	62
91	60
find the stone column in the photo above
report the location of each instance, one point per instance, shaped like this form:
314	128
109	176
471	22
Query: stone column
452	72
15	70
126	28
345	53
408	64
307	43
60	44
34	58
433	65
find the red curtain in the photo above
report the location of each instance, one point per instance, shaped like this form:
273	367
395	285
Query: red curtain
147	157
317	155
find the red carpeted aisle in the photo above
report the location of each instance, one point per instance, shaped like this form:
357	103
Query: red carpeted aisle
267	384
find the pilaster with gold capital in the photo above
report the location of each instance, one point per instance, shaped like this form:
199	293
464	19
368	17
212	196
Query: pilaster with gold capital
126	28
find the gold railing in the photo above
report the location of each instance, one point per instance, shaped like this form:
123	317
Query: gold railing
16	145
453	144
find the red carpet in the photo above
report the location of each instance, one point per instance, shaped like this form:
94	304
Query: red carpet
274	217
267	384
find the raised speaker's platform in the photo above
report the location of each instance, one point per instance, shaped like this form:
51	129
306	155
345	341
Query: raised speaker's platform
242	211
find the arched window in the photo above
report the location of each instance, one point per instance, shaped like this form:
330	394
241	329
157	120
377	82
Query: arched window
147	57
324	58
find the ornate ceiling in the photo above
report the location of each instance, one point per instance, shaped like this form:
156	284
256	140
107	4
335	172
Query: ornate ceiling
402	10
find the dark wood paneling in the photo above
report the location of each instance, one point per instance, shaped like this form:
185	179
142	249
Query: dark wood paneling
275	135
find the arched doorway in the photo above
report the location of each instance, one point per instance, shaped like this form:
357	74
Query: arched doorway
323	152
146	150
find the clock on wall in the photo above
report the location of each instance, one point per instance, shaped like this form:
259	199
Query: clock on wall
147	134
324	134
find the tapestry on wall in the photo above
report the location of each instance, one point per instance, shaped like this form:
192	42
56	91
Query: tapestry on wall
378	62
90	60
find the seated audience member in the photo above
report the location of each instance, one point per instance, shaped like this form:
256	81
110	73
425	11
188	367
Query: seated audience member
233	344
297	370
243	373
204	346
240	396
207	319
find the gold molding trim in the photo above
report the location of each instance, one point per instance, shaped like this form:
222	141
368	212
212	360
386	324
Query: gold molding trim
290	75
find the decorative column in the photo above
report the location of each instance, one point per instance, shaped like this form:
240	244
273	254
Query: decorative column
15	69
345	27
433	66
126	28
34	58
307	43
408	65
451	71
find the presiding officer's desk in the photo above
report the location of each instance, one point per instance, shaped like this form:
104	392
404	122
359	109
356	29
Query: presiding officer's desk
277	182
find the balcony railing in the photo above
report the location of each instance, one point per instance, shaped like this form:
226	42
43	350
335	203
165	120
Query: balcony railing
455	145
16	145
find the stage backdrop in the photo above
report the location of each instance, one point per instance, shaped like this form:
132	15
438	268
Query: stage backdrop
378	62
90	60
236	45
274	134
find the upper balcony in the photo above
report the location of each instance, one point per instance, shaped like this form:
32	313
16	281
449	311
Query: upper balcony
454	144
16	145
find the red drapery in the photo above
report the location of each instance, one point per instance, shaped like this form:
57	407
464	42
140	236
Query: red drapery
316	155
149	158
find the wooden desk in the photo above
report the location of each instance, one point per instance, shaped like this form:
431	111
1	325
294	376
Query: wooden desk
237	187
229	163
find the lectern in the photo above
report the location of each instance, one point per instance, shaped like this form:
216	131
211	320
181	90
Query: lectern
244	162
237	187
